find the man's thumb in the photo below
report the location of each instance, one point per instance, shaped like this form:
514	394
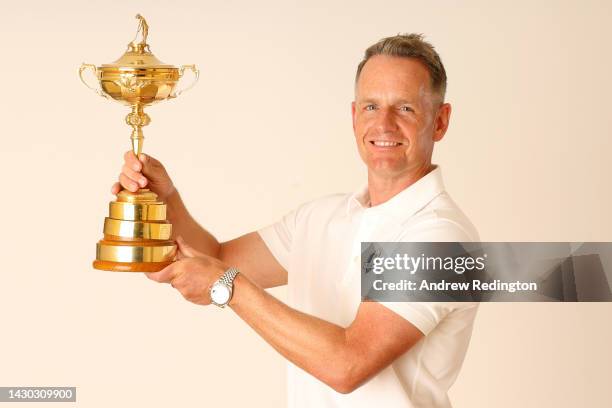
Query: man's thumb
185	250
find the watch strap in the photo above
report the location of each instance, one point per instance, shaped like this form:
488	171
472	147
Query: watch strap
228	277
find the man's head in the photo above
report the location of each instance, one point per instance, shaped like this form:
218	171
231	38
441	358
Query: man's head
399	110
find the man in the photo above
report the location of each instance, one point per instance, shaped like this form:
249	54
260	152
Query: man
344	352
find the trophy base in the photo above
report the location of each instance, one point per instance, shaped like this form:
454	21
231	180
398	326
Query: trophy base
130	266
137	236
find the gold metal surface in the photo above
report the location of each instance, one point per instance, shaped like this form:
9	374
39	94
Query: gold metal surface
142	27
137	212
137	229
138	79
128	253
136	233
143	196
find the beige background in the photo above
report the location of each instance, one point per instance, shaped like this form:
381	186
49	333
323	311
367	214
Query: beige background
267	128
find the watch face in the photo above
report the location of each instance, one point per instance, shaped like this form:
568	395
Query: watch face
220	293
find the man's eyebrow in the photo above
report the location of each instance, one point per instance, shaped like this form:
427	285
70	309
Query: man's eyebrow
366	101
397	102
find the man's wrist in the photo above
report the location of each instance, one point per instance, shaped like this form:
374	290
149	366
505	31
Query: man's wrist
222	290
240	282
172	197
174	206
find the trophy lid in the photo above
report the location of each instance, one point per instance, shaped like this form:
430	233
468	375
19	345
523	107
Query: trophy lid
138	53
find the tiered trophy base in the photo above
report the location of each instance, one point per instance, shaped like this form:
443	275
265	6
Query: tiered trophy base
136	235
130	266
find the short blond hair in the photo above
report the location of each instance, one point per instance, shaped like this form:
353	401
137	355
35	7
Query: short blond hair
411	46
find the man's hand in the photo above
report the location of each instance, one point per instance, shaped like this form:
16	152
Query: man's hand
141	172
192	275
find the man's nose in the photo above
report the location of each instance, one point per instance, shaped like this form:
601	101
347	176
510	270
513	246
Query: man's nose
385	121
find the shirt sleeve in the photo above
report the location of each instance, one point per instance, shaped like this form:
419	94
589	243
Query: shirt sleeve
279	237
425	316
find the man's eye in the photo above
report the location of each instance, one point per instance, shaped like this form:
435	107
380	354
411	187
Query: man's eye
406	109
370	107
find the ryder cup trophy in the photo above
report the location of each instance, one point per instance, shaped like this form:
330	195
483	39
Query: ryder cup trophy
136	232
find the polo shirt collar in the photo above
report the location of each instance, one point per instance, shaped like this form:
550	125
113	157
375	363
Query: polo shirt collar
407	202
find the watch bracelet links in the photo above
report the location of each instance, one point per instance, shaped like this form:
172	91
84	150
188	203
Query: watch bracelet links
228	277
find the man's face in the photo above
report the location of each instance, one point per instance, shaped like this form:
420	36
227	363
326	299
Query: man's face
396	118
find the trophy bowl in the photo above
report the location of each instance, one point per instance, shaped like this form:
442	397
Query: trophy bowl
138	86
138	79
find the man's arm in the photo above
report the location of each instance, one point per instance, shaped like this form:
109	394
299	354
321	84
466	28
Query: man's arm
184	225
343	358
248	253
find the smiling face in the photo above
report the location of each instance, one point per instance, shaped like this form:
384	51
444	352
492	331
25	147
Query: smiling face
397	118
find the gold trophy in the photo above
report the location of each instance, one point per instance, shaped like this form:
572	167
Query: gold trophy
136	232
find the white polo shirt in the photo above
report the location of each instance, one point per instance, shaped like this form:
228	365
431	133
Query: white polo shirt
319	244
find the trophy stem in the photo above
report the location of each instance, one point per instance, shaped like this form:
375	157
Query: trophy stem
137	119
137	141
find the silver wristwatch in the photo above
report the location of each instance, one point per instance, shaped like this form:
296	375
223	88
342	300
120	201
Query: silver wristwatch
221	291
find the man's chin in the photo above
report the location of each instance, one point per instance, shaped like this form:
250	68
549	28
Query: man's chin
386	169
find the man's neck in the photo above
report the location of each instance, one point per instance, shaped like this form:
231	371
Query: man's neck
383	188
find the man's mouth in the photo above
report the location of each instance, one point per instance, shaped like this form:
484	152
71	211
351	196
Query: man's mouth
380	143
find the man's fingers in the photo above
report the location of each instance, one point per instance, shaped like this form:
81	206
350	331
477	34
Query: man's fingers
132	161
128	183
116	188
163	276
143	158
135	176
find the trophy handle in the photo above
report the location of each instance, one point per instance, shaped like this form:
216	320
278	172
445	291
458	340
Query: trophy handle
196	76
84	68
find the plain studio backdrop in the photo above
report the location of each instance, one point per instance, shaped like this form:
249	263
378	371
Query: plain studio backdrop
267	128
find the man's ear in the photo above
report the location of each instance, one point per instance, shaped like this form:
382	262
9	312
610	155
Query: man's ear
441	121
353	114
